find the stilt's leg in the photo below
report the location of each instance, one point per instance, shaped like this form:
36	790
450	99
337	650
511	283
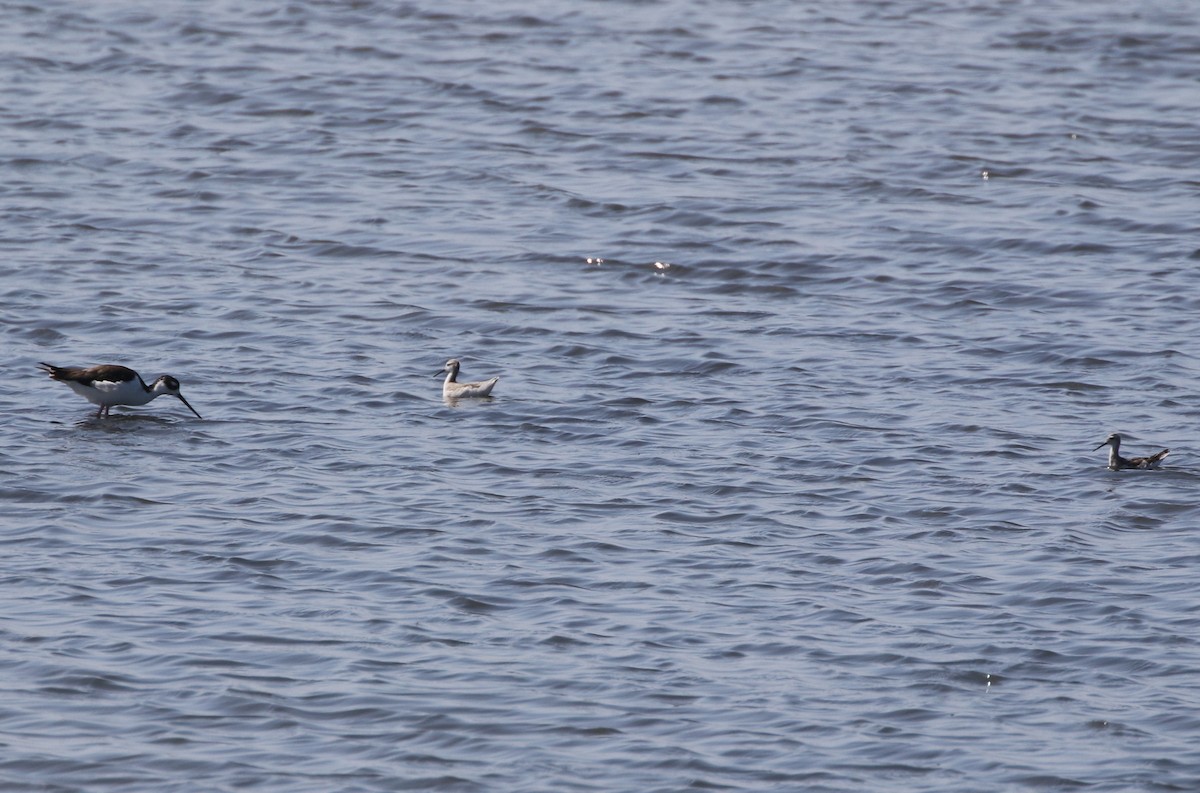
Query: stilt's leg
100	412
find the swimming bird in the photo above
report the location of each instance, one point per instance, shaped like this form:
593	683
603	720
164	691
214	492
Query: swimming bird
110	385
452	389
1116	462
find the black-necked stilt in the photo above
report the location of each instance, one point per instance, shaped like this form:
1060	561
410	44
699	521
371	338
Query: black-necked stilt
110	385
1116	462
452	389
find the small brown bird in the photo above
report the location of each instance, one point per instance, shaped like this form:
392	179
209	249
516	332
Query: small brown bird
1116	462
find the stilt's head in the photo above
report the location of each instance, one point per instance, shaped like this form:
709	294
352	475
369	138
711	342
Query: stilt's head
452	367
170	386
1113	440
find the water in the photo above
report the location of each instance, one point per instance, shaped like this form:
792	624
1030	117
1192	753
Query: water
794	490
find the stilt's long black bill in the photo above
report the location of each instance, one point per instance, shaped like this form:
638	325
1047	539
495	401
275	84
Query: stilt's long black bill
184	401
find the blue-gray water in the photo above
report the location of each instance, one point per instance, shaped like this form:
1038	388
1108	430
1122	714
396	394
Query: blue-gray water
813	508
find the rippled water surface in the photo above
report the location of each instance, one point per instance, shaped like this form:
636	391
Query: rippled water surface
807	316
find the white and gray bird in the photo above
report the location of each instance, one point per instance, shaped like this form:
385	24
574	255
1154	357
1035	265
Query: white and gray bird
452	389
